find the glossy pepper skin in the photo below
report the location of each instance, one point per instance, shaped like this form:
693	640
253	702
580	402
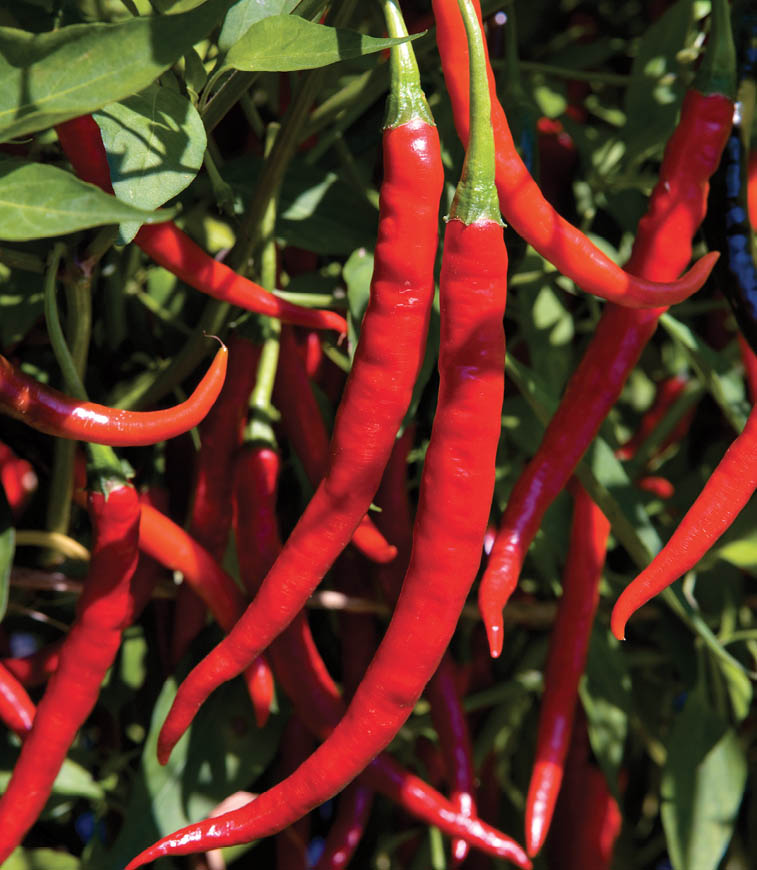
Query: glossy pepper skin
16	707
305	430
376	397
88	651
661	249
568	647
210	518
303	675
50	411
456	490
173	249
529	213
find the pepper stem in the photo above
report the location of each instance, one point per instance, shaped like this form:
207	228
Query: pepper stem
104	468
476	195
717	71
406	102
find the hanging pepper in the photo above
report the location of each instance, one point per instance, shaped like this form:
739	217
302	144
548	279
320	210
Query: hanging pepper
458	475
661	249
210	520
523	205
173	249
303	425
376	397
16	707
567	656
50	411
88	651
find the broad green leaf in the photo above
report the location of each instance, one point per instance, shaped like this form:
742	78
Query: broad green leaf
72	781
37	200
41	859
223	752
7	550
155	143
48	78
656	83
244	14
702	787
606	698
286	42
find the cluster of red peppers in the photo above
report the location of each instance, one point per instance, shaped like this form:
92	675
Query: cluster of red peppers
425	574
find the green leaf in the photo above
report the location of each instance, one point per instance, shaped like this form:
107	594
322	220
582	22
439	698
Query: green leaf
48	78
155	143
724	384
7	550
286	42
41	859
606	698
244	14
72	781
656	83
38	201
702	787
357	274
223	752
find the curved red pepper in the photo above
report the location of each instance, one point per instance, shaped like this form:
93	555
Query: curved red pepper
16	707
54	413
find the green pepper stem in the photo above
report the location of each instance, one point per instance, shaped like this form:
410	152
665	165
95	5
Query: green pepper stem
476	195
717	71
406	102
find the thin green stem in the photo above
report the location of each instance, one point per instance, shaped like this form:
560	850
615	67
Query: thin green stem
231	91
311	300
476	196
563	72
406	101
717	70
22	260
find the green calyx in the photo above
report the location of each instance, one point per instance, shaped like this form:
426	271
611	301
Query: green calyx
717	71
406	102
476	196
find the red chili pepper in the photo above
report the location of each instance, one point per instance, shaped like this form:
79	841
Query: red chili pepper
35	669
455	495
565	664
55	413
18	479
87	653
16	707
210	520
347	829
304	427
752	187
724	495
166	542
661	249
302	673
292	842
529	213
376	397
668	390
587	819
447	713
173	249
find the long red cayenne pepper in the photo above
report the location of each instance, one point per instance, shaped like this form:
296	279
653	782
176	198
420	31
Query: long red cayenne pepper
725	494
447	713
347	829
210	519
302	672
305	430
50	411
456	489
16	707
661	249
173	249
376	396
529	213
88	651
565	664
